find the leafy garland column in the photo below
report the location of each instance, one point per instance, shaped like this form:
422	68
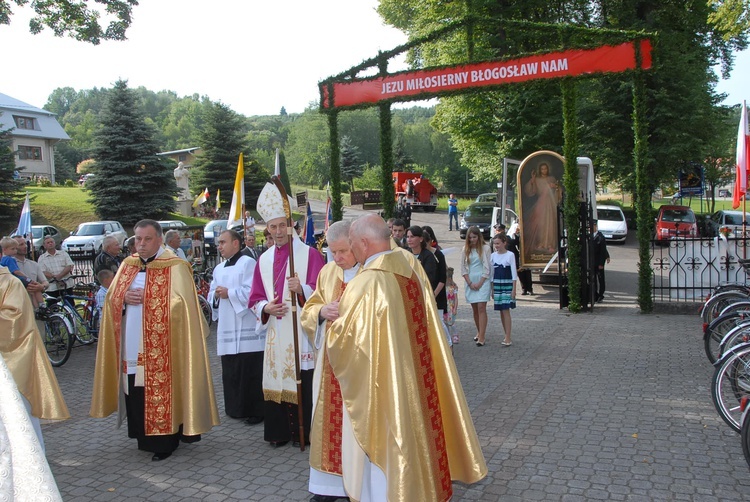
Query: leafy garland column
388	193
335	174
571	207
642	186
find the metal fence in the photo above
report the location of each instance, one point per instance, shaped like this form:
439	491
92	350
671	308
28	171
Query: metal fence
686	270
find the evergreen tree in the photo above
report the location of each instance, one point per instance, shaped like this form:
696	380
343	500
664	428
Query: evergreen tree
221	138
11	197
351	164
63	169
401	159
131	182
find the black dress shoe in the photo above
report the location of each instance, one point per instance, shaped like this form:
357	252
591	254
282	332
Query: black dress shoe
278	444
253	420
525	293
158	457
327	498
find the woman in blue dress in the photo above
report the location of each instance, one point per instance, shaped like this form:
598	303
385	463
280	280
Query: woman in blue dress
504	279
475	269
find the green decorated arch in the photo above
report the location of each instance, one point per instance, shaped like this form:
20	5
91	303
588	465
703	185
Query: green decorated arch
531	51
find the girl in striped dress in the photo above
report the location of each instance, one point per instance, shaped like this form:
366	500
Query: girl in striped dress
504	278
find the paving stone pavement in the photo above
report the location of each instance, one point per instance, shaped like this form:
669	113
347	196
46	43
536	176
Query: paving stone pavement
610	405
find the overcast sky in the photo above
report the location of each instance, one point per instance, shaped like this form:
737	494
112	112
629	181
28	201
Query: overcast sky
254	56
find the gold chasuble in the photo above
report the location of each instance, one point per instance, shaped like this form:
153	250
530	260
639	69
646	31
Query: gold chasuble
23	350
173	365
400	386
325	435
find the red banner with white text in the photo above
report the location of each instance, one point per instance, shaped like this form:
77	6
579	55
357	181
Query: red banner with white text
430	83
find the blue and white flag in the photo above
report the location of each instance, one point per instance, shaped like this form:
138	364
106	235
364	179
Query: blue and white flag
310	228
24	224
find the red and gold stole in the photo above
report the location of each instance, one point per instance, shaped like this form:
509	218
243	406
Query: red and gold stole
333	409
428	392
156	356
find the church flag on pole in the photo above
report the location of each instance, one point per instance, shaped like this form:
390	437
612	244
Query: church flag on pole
238	196
203	197
218	200
24	223
743	158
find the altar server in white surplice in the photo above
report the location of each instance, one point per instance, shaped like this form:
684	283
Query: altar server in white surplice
239	344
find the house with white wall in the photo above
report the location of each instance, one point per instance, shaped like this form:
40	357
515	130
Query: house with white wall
34	133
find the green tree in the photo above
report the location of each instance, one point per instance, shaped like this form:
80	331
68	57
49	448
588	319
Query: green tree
131	182
307	149
11	197
221	139
719	162
76	19
64	170
351	165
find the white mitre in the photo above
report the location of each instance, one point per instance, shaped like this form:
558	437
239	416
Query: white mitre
271	204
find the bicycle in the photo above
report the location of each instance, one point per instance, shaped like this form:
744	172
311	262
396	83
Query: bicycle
714	333
203	285
58	338
83	315
731	383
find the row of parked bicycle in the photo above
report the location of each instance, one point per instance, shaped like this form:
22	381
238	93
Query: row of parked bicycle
726	339
75	318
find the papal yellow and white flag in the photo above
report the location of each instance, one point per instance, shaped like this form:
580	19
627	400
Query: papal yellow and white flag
238	196
218	200
203	197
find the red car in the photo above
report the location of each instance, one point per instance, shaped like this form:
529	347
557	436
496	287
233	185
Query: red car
675	221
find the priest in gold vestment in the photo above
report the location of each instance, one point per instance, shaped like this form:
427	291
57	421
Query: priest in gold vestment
331	428
398	381
151	362
24	353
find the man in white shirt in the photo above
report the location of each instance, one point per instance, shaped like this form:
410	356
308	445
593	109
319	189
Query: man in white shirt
30	268
56	266
172	240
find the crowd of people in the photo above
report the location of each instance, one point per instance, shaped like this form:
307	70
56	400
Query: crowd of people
314	351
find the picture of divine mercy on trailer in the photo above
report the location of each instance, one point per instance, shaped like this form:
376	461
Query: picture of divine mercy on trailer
540	183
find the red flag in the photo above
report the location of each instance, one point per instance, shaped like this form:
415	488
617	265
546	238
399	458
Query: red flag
743	158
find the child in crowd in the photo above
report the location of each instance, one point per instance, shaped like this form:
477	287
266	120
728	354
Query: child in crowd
105	278
10	248
504	279
449	316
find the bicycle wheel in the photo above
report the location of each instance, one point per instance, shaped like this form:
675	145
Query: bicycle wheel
718	329
58	339
717	303
745	432
731	382
83	320
206	309
737	336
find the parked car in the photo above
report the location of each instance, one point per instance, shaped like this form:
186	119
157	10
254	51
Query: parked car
612	223
478	214
212	229
487	197
720	219
88	237
171	224
40	232
84	178
675	221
